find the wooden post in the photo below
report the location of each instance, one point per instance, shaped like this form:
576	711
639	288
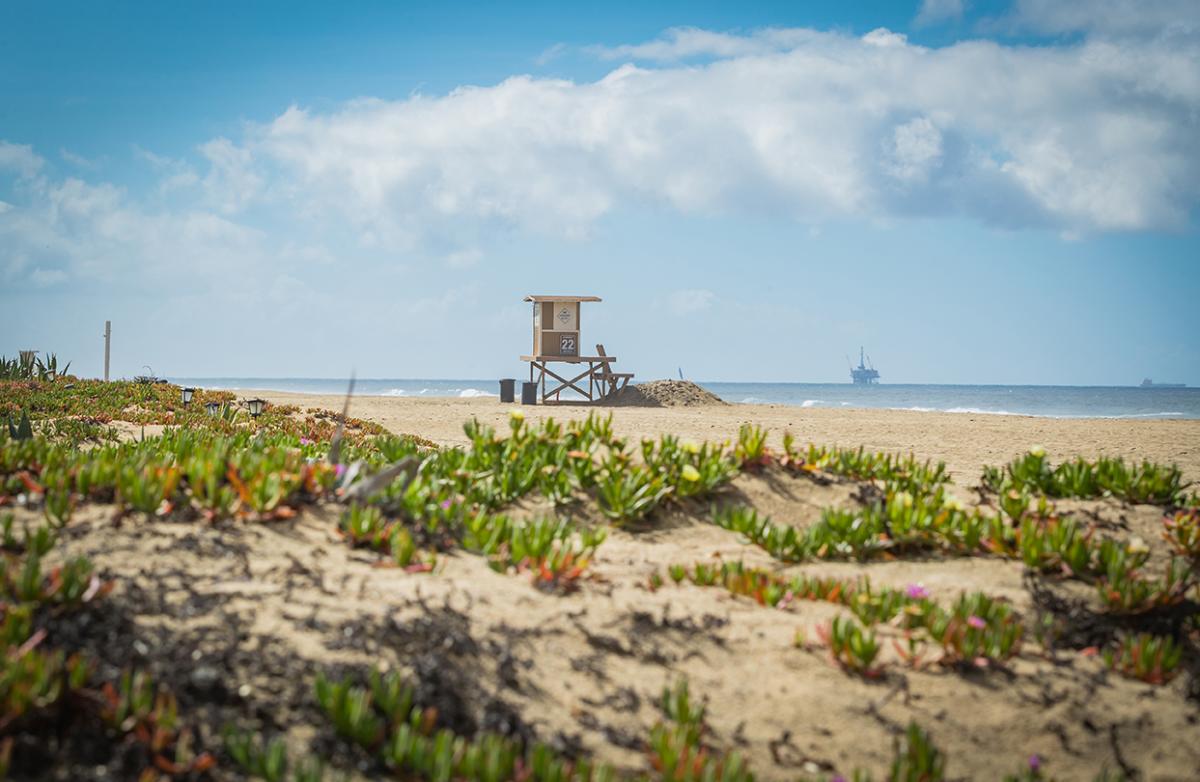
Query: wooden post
107	343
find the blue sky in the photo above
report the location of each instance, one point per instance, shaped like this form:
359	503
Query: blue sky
978	192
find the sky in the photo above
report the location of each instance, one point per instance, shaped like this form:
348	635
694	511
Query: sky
977	192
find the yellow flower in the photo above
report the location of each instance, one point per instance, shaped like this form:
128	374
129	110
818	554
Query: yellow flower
903	499
690	473
1037	451
1137	546
953	503
516	416
690	447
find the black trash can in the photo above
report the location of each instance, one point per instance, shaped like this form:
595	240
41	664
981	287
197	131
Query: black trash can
529	393
507	388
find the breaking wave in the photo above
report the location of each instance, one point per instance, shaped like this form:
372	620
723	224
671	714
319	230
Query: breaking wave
461	393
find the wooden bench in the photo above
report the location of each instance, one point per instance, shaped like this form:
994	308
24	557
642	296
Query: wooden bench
610	382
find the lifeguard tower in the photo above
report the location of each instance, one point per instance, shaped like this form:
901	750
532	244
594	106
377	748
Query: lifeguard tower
556	341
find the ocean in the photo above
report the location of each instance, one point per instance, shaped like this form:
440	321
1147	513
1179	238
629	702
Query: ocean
1045	401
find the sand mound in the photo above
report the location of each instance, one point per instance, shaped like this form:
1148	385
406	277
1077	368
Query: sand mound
664	393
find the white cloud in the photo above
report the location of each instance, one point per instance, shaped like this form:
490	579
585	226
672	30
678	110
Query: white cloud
550	54
19	158
914	150
883	37
938	11
232	181
1087	136
681	43
76	160
795	124
174	174
78	231
689	300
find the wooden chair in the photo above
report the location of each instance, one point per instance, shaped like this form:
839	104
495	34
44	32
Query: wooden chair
611	381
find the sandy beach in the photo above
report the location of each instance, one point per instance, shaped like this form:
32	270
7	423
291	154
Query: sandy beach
239	614
965	441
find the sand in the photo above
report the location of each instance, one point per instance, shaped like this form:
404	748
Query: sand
239	617
965	441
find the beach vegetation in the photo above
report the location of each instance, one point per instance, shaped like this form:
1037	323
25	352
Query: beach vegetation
903	522
1154	659
96	405
23	430
1182	532
258	758
903	472
917	759
555	551
1044	545
852	647
751	449
975	630
383	719
628	493
29	366
1082	478
1127	591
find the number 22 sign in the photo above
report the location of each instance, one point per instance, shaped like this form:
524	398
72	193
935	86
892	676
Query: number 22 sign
566	345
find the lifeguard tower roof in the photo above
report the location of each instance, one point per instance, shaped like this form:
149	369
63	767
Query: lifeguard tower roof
535	298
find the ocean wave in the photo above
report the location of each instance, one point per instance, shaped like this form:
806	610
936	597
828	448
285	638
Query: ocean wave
811	403
982	411
753	400
1164	414
462	393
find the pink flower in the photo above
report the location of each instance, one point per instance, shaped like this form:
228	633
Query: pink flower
305	441
976	622
445	504
339	470
917	592
1035	763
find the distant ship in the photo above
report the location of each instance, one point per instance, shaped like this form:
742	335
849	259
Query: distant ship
864	374
1148	383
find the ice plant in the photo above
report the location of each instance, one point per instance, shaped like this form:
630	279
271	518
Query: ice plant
916	592
751	449
1150	658
851	646
1182	532
917	759
1106	476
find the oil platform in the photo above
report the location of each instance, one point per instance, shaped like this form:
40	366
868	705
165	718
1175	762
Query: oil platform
864	374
